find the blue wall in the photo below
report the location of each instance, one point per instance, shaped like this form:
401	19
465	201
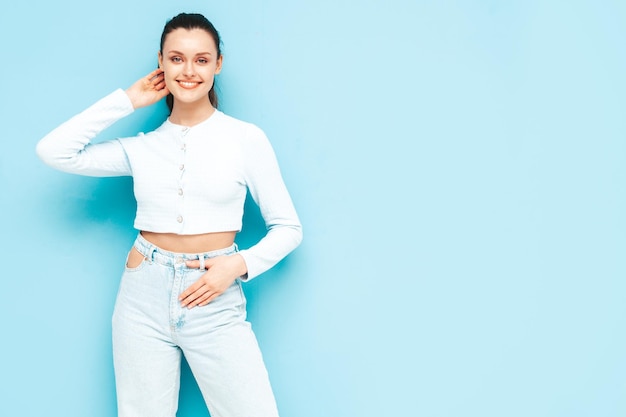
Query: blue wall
459	167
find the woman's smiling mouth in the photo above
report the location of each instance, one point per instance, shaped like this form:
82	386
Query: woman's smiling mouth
189	84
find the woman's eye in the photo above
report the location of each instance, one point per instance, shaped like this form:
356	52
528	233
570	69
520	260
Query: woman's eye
176	59
203	61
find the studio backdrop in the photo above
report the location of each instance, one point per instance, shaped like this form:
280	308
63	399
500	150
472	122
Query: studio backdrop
459	168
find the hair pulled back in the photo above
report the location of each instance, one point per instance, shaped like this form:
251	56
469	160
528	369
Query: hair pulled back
191	21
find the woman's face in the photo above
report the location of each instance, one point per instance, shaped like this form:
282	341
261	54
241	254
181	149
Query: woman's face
189	61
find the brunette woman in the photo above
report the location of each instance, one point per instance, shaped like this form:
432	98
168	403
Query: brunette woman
181	292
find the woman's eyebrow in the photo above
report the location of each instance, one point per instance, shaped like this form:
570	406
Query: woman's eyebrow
174	52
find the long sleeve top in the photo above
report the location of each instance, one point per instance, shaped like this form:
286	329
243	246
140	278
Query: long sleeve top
187	180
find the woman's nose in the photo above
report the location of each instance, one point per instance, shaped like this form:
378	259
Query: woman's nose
188	70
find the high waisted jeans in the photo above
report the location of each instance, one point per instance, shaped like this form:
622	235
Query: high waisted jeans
151	330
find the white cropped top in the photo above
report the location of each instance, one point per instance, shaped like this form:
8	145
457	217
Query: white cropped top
187	180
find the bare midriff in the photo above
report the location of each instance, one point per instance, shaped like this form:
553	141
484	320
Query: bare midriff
190	243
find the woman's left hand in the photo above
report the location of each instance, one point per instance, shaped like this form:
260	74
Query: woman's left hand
222	271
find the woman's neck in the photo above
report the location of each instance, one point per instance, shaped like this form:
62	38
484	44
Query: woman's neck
191	114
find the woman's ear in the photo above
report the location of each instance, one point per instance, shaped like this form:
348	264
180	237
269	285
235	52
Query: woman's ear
218	67
160	60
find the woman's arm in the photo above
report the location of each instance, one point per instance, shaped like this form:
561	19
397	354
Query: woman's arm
284	231
267	188
68	147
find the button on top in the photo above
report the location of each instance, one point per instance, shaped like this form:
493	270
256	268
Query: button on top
180	191
179	219
181	167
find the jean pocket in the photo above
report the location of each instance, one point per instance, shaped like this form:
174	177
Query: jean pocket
135	261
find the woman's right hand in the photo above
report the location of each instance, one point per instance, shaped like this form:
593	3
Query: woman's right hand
148	90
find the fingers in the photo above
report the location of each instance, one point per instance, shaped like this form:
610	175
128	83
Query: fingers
193	264
208	263
217	278
199	292
148	90
192	293
156	80
198	297
154	74
162	90
204	299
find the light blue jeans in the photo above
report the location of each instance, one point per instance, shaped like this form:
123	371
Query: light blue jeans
151	331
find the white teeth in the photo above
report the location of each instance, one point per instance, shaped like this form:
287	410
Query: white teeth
187	84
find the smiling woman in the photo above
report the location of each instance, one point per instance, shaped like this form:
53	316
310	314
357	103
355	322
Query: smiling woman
181	292
191	58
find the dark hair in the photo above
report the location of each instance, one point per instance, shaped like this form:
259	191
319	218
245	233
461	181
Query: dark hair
192	21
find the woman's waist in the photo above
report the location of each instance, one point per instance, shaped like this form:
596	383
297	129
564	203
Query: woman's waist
190	244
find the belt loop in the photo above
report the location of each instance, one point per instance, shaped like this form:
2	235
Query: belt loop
151	252
201	259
